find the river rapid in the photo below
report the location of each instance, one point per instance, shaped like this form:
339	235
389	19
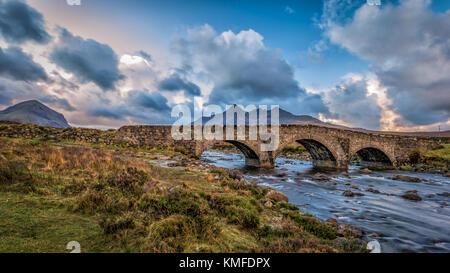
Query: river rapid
399	225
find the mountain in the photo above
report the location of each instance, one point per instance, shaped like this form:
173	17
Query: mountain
285	117
34	112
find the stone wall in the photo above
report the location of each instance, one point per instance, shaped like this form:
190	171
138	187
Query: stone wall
27	131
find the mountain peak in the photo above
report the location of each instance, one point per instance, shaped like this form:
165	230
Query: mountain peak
285	117
34	112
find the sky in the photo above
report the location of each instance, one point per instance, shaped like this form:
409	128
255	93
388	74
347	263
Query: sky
108	63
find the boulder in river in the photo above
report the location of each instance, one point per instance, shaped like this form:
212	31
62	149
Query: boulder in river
406	178
320	177
348	193
373	190
365	171
412	195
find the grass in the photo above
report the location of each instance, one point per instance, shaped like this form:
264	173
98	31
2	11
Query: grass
111	201
436	158
33	223
295	148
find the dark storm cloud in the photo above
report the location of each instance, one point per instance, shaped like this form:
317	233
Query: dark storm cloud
5	96
243	70
153	101
5	100
175	83
113	112
88	60
59	102
20	23
409	47
140	105
17	65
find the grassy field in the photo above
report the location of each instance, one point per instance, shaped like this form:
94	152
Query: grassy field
111	199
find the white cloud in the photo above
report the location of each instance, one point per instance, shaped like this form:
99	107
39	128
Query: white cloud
408	46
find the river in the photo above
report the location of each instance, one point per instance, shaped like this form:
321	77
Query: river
399	225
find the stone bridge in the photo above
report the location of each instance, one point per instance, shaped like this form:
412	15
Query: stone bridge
329	147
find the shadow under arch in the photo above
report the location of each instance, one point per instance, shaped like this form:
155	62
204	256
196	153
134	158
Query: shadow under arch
251	158
374	158
321	156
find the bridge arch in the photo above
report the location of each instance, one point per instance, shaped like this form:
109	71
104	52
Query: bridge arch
374	158
252	158
322	156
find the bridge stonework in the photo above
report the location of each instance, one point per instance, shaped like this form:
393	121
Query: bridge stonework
328	147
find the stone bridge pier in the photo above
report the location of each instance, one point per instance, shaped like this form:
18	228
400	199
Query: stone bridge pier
328	147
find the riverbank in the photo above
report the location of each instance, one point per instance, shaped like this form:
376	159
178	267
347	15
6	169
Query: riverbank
430	161
116	199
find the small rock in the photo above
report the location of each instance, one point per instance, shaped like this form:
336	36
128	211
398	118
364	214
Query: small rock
268	204
349	193
445	194
320	177
407	178
284	169
365	170
373	191
412	195
211	178
355	187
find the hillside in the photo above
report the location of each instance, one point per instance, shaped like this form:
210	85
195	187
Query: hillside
34	112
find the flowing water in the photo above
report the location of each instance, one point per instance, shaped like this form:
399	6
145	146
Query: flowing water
399	225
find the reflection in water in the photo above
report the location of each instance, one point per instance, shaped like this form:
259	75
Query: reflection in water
399	225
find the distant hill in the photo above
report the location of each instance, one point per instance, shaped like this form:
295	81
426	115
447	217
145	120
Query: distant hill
34	112
285	117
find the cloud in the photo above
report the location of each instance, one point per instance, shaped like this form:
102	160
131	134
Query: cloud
139	105
88	60
408	46
17	65
242	70
289	10
20	23
144	99
175	83
145	55
351	102
58	102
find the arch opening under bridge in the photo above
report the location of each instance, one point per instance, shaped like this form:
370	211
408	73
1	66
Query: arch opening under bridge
372	158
